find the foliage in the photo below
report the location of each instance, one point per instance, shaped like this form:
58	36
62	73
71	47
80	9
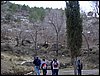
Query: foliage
9	17
74	28
37	14
24	7
13	8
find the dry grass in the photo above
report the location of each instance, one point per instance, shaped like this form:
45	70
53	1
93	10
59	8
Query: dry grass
9	64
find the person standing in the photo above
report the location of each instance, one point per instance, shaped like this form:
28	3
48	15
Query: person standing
52	66
79	67
56	66
37	63
44	67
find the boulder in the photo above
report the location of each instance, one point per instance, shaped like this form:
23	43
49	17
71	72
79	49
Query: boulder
27	63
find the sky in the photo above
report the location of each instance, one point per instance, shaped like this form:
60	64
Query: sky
84	5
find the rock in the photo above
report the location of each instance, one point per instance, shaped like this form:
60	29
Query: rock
23	62
27	63
6	47
2	57
62	65
67	64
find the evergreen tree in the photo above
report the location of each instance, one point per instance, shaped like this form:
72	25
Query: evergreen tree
24	7
13	8
37	14
74	30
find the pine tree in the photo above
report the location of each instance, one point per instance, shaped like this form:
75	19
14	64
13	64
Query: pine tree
74	29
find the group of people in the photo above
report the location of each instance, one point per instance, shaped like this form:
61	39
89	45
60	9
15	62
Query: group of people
43	65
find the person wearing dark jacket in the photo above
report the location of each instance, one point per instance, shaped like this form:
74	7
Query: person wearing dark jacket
37	63
79	67
52	66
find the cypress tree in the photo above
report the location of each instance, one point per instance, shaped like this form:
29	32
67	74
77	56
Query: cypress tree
74	29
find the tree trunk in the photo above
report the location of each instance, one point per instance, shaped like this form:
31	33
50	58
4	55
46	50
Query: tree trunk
57	45
74	65
87	44
36	42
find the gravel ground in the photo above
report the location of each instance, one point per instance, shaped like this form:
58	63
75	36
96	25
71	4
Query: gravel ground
71	72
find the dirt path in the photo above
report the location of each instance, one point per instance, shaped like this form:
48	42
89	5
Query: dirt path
71	72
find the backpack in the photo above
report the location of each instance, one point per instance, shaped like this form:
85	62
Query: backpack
55	64
44	66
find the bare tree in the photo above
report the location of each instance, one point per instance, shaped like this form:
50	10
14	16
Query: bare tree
19	33
87	44
34	34
46	34
95	5
56	19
